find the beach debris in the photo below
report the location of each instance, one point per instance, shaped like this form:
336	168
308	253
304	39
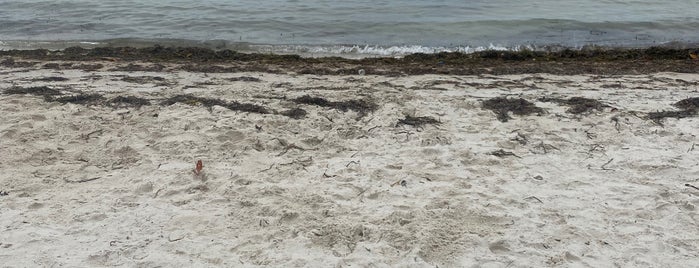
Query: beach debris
688	104
244	79
694	54
578	105
360	106
4	193
143	79
400	182
51	79
686	184
361	72
604	167
82	98
210	102
502	153
417	121
37	91
296	113
689	108
198	168
133	101
502	105
81	180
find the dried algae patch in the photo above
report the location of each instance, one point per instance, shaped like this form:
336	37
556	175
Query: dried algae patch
359	105
37	91
577	105
501	106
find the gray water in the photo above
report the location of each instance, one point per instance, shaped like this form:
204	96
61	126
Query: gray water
383	27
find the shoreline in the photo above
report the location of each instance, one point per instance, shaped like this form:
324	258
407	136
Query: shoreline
308	163
565	62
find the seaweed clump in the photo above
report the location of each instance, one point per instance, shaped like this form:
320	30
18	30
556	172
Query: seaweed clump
37	91
577	105
210	102
82	98
129	101
296	113
360	106
501	106
688	104
689	108
417	121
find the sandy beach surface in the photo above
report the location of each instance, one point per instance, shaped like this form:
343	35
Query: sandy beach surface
304	170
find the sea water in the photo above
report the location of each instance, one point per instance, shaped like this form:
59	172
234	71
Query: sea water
362	27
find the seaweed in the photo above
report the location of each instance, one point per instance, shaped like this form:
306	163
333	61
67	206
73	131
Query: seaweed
578	105
52	79
37	91
210	102
417	121
139	68
244	79
82	98
501	106
129	101
296	113
247	107
658	117
360	106
688	104
194	101
689	108
142	79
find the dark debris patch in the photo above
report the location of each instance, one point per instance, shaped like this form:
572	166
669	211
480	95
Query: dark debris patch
360	106
139	68
82	98
247	107
417	121
11	63
210	102
688	104
244	79
52	79
502	153
578	105
689	108
143	79
37	91
194	101
658	117
296	113
501	106
128	101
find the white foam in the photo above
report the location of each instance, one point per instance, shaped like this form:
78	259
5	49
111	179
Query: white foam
369	51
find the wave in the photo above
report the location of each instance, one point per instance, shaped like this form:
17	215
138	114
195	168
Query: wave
345	51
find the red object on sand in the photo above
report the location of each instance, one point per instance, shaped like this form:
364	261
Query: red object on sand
199	167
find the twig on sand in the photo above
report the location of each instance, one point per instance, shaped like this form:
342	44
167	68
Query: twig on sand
325	174
502	153
604	167
81	180
691	148
266	169
535	198
692	186
352	162
87	136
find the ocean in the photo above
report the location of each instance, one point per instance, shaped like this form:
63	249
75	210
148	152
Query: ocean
346	28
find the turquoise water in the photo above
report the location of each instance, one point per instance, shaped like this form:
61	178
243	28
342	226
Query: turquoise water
383	27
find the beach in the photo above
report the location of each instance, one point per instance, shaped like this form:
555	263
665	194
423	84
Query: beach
430	161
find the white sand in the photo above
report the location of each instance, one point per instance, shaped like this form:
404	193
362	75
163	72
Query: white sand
583	190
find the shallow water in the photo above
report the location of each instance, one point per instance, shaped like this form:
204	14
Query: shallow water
380	27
